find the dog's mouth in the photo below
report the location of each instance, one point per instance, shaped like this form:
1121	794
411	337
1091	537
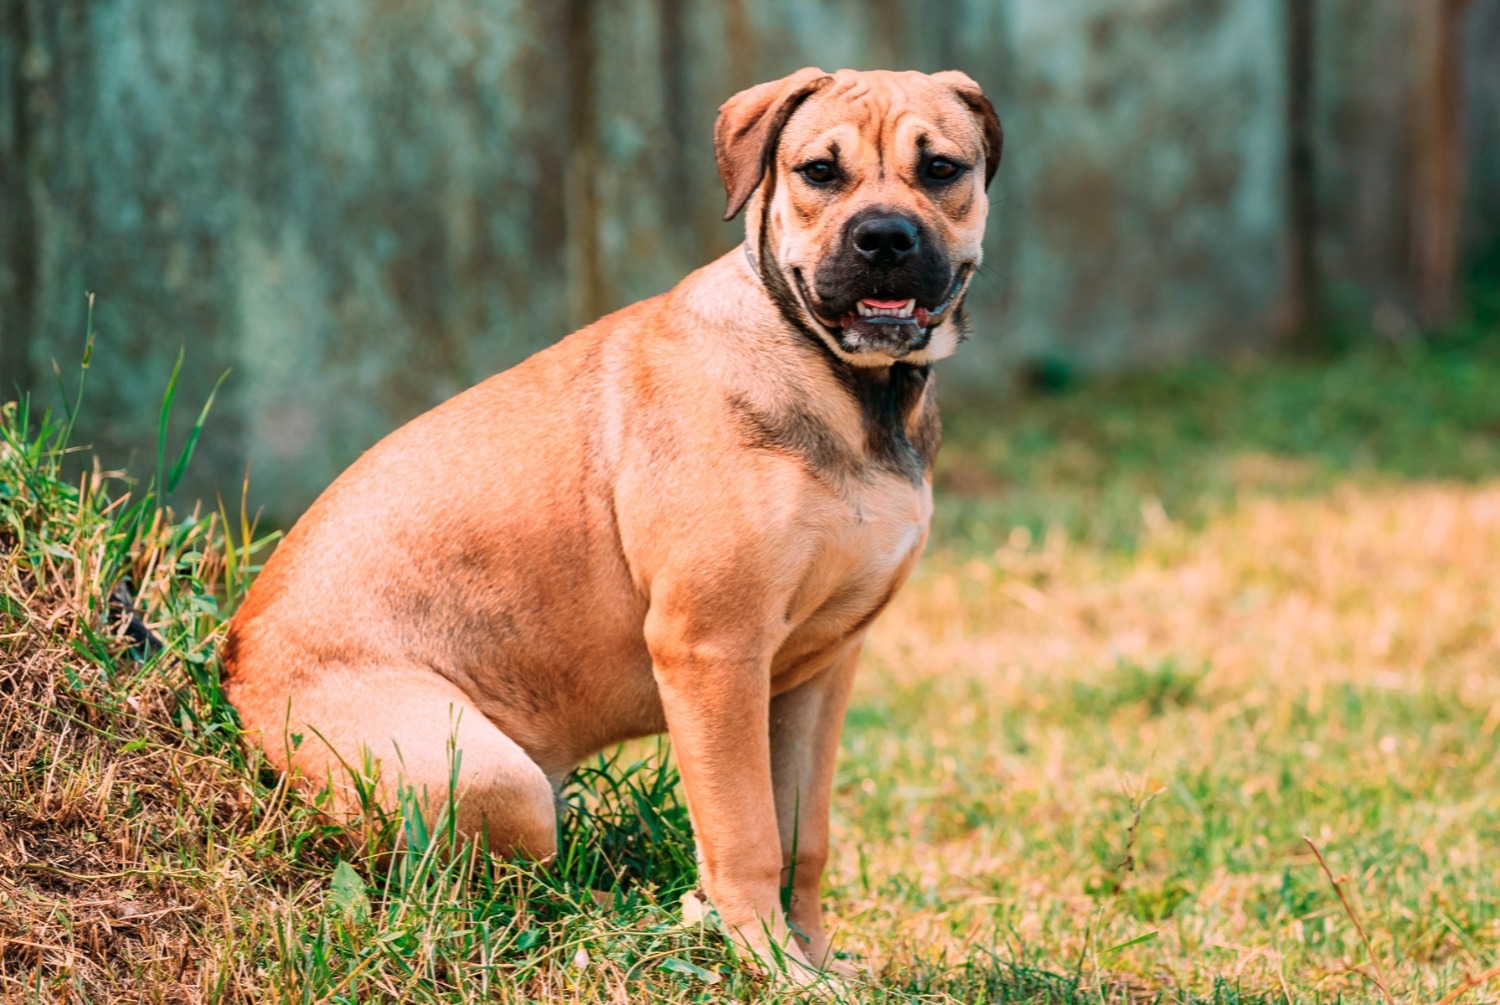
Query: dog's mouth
874	311
895	327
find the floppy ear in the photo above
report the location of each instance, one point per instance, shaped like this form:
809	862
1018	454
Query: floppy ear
749	123
989	123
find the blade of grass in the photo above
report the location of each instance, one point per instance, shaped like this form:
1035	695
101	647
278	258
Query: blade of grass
179	467
159	485
1469	983
83	372
1374	972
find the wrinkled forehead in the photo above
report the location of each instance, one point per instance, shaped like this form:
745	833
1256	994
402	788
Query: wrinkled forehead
864	114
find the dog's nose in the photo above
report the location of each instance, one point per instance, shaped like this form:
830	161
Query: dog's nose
886	239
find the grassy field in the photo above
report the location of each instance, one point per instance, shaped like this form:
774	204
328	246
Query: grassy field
1169	628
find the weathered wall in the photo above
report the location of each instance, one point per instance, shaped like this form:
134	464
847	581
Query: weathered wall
1481	98
1147	185
359	208
1406	93
362	207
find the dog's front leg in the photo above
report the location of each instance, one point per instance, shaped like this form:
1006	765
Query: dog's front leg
716	692
805	726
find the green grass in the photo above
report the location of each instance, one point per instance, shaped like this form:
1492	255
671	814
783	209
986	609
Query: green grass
1188	443
1169	625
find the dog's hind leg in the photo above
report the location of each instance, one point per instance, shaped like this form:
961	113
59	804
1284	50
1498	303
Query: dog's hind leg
372	735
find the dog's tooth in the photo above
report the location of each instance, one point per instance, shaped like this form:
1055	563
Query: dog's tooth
864	309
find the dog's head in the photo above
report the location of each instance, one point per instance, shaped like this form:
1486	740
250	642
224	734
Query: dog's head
866	195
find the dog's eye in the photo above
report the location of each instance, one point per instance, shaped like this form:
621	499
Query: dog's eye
942	169
820	172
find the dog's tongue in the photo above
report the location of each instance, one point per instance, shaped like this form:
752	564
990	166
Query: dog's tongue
885	305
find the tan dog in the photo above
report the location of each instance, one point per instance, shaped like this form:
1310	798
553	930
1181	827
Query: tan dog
683	517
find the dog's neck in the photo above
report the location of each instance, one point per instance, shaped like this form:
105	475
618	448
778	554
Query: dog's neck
799	390
898	411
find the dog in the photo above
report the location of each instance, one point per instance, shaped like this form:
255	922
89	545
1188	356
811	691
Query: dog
681	518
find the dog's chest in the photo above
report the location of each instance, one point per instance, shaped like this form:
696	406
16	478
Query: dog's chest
865	552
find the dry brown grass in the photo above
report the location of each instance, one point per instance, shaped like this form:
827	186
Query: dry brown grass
127	837
1352	643
1394	586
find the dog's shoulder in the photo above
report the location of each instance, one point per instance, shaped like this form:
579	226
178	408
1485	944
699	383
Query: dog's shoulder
791	428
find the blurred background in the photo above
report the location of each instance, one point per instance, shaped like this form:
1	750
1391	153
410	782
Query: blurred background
1218	507
361	208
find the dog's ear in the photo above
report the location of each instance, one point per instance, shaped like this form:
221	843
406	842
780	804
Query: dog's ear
749	123
989	123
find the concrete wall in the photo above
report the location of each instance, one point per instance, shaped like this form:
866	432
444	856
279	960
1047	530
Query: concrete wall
361	207
1481	101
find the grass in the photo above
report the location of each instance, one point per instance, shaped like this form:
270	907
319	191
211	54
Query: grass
1107	462
1169	626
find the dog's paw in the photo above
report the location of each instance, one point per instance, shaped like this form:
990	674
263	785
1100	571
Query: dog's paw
696	909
